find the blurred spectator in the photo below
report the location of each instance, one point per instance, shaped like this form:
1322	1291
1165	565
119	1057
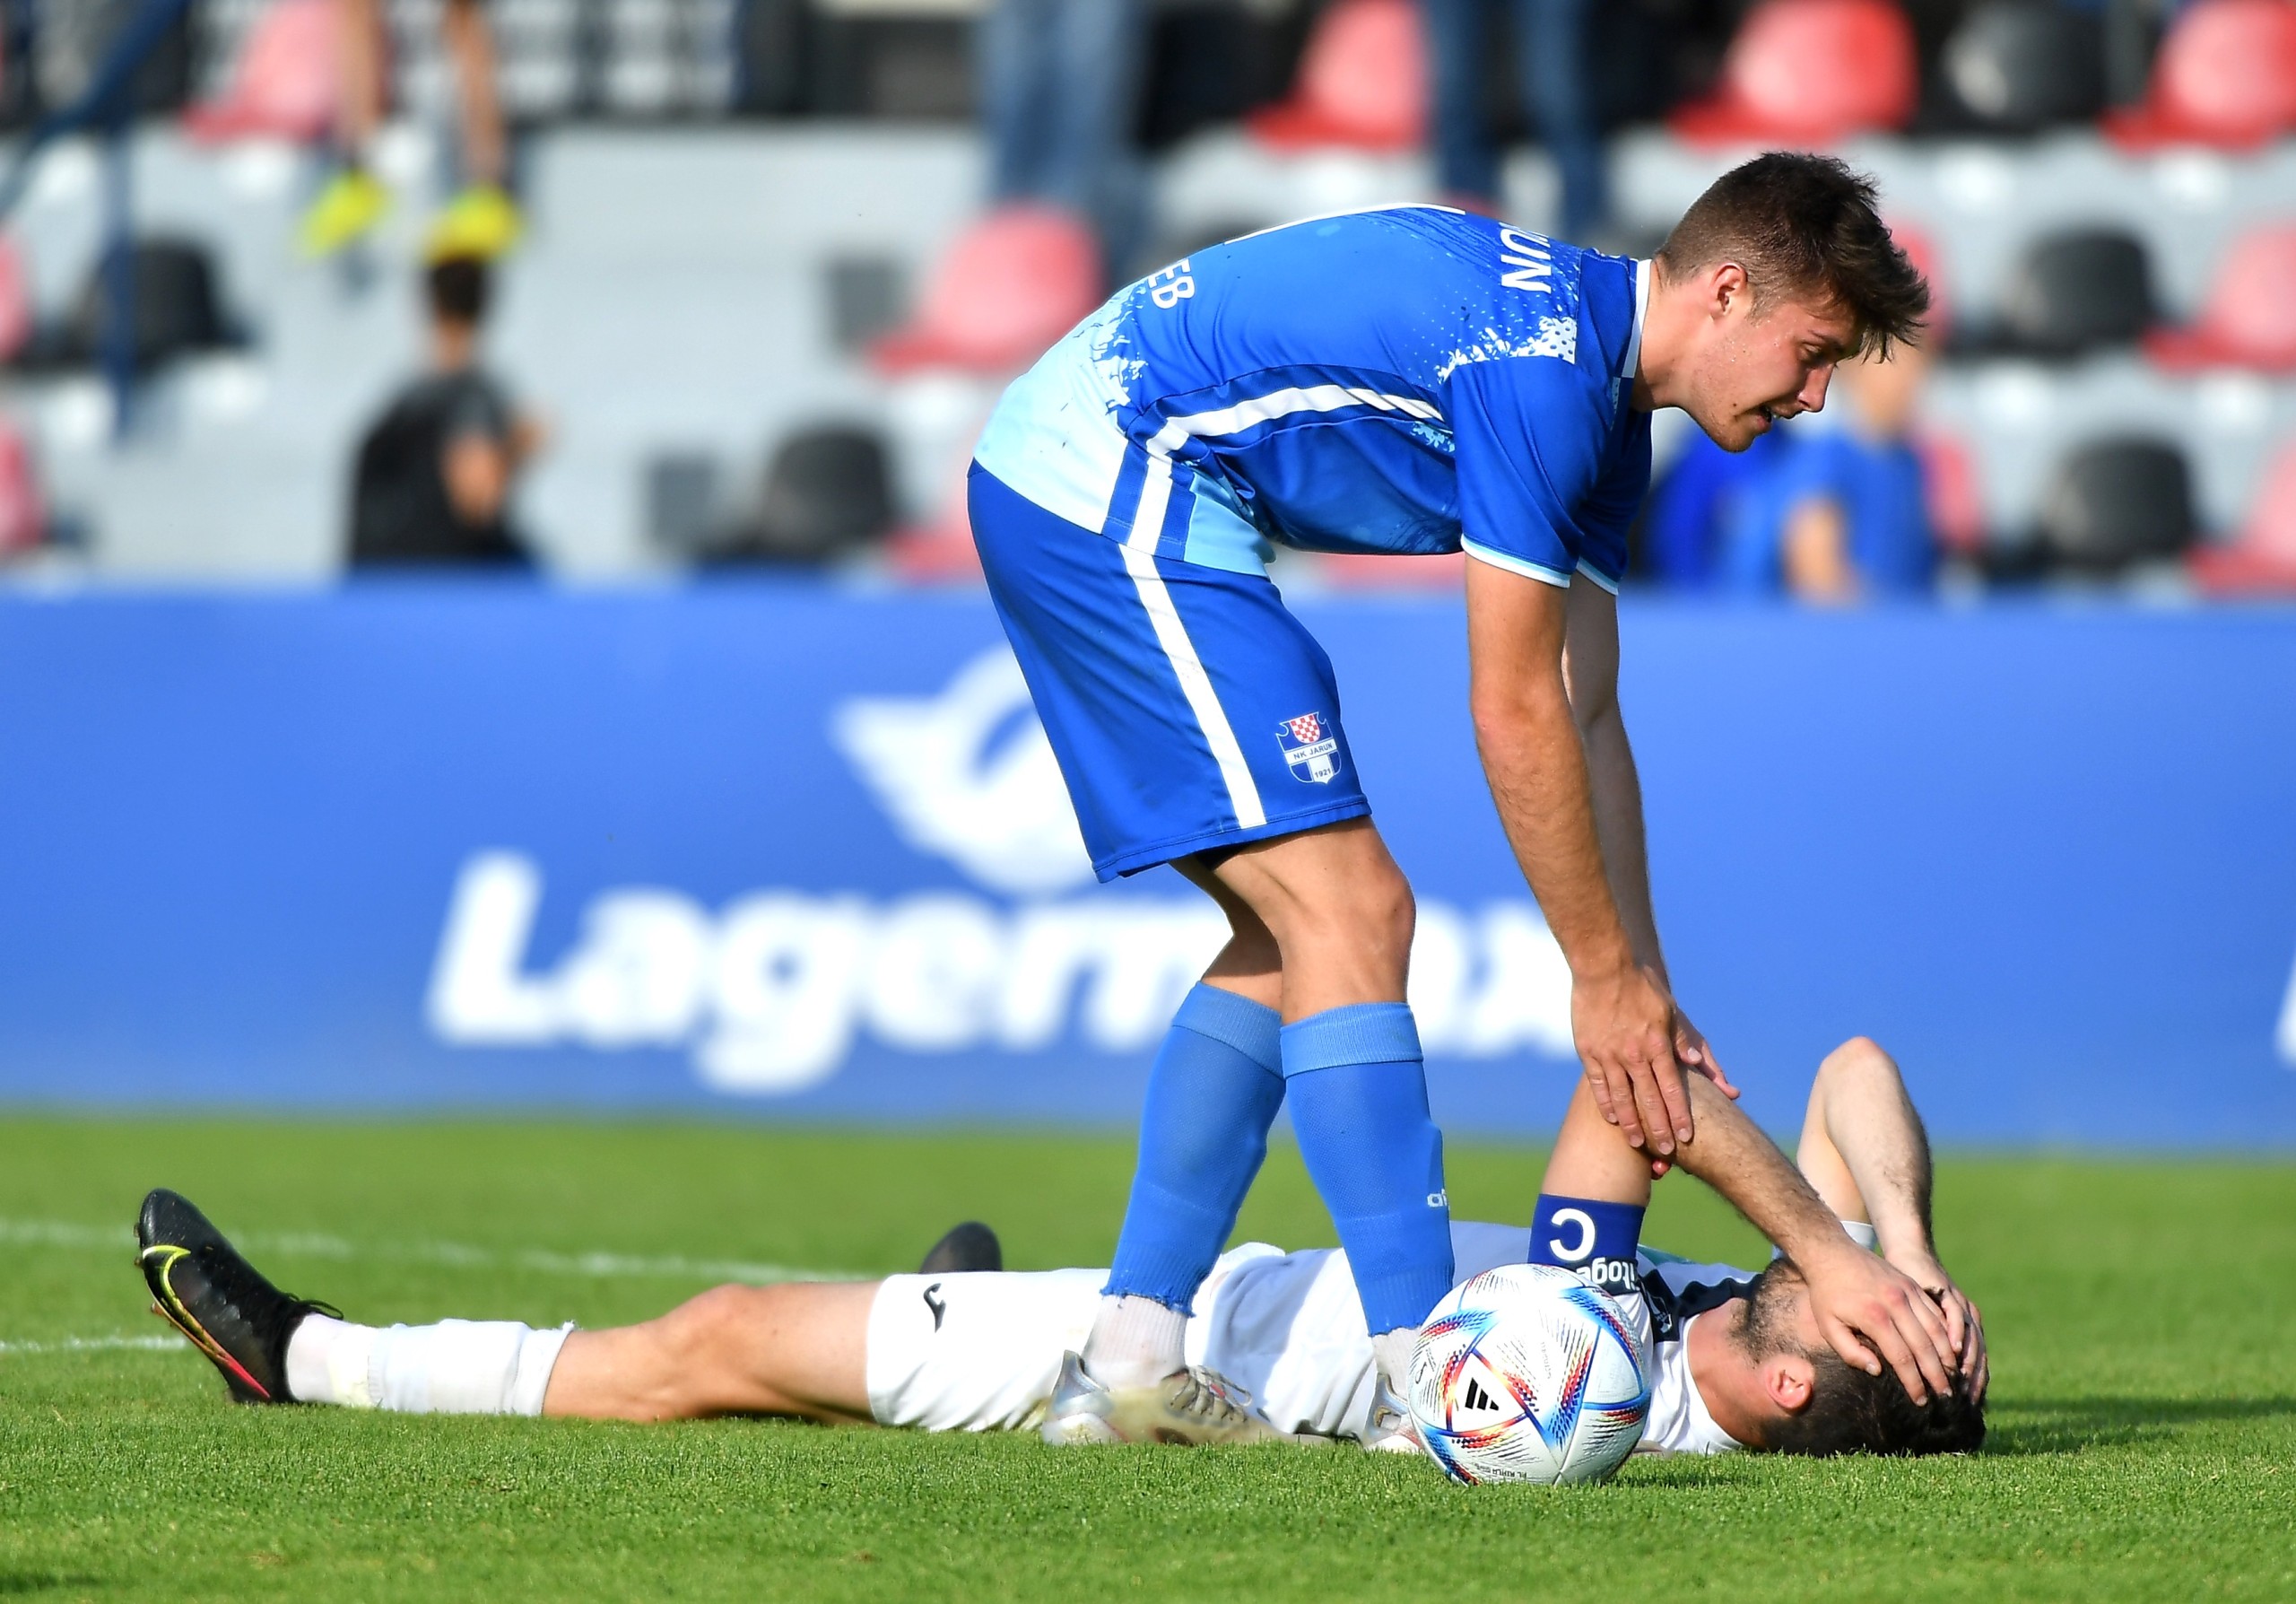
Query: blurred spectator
481	220
1695	505
1839	514
435	472
1550	39
1060	88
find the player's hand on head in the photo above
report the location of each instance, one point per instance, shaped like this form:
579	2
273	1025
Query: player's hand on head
1623	1025
1964	1325
1860	1299
1694	1052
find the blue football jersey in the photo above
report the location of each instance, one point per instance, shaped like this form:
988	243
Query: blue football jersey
1416	380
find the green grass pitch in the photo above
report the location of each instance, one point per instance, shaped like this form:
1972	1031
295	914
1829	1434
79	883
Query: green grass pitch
2142	1316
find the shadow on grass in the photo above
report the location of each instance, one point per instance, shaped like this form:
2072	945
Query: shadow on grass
2046	1426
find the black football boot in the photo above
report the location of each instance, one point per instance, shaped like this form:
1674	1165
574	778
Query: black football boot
972	1246
202	1286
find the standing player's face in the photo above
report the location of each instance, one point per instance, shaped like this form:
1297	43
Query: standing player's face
1764	363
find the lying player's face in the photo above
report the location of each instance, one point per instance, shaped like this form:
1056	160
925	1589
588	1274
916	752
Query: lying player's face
1766	363
1787	1372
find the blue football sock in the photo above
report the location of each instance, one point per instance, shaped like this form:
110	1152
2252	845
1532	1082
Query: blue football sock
1593	1240
1214	1091
1359	1103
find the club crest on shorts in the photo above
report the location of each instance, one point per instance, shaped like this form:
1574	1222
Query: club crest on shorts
1310	747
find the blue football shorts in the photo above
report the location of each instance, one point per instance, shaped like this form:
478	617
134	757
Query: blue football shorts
1188	710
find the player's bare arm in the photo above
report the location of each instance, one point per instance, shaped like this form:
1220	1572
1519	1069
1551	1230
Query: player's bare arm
1859	1299
1591	674
1623	1014
1864	1150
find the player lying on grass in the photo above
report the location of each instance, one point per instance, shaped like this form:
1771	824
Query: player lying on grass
1737	1359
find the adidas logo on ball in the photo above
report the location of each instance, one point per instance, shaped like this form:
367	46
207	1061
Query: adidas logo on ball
1527	1372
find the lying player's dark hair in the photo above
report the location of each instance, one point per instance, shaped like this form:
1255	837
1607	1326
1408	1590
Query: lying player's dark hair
1850	1411
458	288
1804	227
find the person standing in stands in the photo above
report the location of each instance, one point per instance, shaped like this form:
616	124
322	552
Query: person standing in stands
1552	62
480	221
1840	515
1059	92
435	472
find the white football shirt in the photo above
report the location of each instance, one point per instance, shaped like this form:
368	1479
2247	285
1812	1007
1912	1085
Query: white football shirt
1288	1329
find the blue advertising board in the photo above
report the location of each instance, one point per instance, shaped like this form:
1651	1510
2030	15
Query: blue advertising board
770	848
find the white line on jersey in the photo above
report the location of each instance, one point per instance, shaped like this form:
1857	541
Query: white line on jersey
1350	212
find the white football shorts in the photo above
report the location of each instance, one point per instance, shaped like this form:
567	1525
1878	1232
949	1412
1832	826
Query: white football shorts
980	1352
975	1352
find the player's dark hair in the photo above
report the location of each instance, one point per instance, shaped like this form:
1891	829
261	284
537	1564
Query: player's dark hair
458	287
1850	1411
1805	227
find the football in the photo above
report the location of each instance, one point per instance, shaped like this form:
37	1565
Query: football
1526	1373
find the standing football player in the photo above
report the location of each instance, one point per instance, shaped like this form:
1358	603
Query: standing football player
1409	381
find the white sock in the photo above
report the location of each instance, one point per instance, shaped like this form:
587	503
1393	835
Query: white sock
455	1367
1391	1355
1136	1342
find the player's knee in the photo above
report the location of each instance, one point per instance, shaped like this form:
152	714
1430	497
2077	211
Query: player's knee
1381	905
1858	1056
697	1334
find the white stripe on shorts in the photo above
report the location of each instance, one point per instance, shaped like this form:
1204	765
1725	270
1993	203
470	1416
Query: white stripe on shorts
1148	529
1196	685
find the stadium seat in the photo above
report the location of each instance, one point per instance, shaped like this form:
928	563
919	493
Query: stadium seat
286	84
15	301
1363	82
1810	71
2018	66
826	493
1950	491
2225	76
2118	502
23	515
2081	290
1346	570
1015	283
1921	249
2250	317
2264	558
178	307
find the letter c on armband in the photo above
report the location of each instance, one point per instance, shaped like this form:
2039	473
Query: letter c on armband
1581	1221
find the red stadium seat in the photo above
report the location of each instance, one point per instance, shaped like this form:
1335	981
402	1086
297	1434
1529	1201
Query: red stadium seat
1951	493
2264	558
2250	317
1013	282
1810	71
1348	570
15	301
1363	82
1921	250
2226	76
286	82
23	516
